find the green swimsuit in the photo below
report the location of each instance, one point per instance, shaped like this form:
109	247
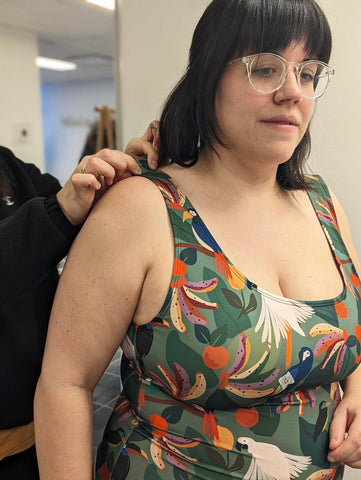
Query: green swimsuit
231	381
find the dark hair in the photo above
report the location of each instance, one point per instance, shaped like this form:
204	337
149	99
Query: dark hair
5	178
228	29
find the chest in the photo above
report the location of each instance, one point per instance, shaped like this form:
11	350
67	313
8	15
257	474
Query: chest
284	250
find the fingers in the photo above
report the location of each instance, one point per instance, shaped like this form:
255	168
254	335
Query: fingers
337	429
348	452
151	135
345	447
139	147
106	166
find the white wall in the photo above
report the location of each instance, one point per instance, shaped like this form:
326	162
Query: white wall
337	123
68	112
154	39
20	96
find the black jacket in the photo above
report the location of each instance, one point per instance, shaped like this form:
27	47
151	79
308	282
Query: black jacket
34	236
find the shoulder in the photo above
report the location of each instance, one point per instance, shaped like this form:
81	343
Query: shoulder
137	193
132	210
345	231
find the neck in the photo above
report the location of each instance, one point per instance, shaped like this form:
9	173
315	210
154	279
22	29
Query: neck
230	173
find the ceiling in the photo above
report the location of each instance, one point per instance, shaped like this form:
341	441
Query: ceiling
66	30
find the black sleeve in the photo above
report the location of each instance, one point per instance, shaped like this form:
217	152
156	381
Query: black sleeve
44	184
33	240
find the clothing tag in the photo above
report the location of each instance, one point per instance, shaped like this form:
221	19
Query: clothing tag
286	380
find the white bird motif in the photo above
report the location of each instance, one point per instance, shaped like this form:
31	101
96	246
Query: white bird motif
269	462
280	314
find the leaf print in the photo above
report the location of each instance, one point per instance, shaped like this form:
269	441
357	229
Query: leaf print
156	454
202	334
279	314
189	308
151	473
333	340
185	302
176	313
238	464
249	393
327	212
233	299
180	474
255	385
215	458
204	286
198	388
189	256
172	414
182	380
180	387
242	355
219	336
198	302
252	304
205	371
164	443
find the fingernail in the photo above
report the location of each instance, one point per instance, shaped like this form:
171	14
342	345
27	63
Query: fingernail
153	165
138	170
331	459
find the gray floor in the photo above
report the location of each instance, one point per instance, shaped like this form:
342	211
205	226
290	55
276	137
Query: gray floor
104	398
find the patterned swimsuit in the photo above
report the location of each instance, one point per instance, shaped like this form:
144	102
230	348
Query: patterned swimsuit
230	381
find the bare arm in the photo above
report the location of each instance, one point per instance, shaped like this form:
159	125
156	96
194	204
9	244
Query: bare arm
91	178
98	293
347	417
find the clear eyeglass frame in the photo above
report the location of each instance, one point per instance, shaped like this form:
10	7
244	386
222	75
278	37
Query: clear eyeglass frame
297	67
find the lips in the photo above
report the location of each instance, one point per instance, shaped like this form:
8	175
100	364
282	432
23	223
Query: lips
283	120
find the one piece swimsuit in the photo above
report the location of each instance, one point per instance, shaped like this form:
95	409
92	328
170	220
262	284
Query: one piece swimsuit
230	381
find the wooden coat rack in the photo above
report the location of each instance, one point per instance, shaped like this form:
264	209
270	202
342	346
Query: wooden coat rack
105	125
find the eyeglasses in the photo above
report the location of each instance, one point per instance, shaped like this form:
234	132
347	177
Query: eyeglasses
267	72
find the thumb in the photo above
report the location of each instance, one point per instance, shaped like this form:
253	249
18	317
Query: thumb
338	428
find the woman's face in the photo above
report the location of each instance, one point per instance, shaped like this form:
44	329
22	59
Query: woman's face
259	126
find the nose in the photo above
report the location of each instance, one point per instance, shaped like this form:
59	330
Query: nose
290	90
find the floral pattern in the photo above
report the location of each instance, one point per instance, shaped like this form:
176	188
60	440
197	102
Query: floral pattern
230	381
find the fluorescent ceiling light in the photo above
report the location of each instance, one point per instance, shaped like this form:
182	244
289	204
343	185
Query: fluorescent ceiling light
107	4
53	64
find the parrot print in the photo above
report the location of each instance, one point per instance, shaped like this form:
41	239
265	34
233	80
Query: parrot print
230	381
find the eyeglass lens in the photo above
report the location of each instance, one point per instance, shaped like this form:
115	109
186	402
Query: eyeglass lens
267	74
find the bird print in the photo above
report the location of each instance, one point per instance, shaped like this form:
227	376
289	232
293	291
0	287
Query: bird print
279	316
269	462
298	372
205	238
322	419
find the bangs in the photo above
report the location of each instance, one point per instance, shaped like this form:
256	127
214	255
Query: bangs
271	25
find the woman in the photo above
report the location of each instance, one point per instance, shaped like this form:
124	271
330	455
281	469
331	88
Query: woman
236	292
38	221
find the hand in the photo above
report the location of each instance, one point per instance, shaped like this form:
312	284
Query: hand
147	144
92	177
347	419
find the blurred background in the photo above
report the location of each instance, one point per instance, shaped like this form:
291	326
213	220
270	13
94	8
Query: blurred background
127	57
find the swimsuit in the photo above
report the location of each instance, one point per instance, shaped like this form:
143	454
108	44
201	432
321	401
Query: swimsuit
230	381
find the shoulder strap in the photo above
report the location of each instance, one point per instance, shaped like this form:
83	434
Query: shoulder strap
322	203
